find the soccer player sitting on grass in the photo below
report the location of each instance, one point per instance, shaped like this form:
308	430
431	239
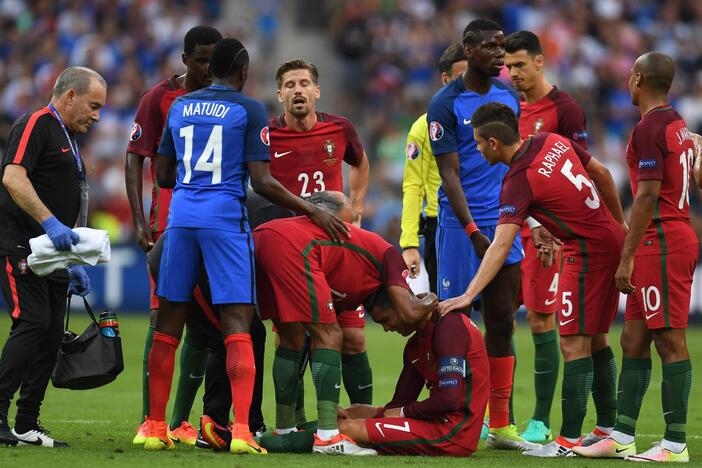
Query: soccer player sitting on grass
303	278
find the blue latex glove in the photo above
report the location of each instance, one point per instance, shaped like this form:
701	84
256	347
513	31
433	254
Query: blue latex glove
79	282
61	236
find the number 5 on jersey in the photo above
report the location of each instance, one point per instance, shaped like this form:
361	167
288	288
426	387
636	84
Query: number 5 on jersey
213	150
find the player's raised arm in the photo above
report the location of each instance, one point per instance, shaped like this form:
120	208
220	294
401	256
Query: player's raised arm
492	262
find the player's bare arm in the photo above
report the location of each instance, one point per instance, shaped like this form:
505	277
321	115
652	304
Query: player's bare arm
133	170
22	192
697	167
492	262
641	214
449	170
166	171
409	308
264	184
358	187
604	182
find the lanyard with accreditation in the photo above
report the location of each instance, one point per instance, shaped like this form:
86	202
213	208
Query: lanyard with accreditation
83	184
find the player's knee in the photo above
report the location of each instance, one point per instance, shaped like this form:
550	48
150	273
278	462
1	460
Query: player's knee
355	429
671	345
328	335
575	347
541	323
635	345
354	341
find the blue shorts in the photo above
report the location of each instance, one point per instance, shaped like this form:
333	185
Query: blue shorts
228	258
457	262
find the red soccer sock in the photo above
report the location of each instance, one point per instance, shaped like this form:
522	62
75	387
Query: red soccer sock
501	374
241	369
161	359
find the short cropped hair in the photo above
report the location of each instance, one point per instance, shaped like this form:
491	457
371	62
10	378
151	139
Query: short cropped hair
379	298
523	40
78	79
453	53
228	57
470	33
297	64
200	35
327	201
496	120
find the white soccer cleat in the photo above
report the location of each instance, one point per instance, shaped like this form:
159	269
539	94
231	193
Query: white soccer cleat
606	448
658	453
38	437
340	445
551	450
595	436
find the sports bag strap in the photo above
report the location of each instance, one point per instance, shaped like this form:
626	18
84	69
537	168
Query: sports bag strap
89	310
68	310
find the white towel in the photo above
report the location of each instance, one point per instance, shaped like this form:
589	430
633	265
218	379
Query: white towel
93	248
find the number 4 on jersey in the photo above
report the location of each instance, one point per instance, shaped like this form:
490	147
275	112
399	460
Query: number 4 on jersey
213	149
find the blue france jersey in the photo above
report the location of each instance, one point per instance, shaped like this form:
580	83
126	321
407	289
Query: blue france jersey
450	131
213	133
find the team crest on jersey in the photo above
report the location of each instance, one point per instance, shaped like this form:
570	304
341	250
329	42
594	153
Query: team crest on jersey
136	132
265	136
22	266
330	305
328	147
412	151
445	283
436	131
538	125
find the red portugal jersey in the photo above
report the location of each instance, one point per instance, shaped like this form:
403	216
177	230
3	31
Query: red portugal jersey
557	112
146	136
548	181
355	269
308	162
660	148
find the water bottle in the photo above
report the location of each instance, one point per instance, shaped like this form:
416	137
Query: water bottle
109	326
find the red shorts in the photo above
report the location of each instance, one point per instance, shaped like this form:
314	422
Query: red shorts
663	288
287	290
406	436
153	298
588	301
352	318
539	284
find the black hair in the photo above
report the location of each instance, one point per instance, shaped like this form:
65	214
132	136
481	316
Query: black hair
470	33
297	64
523	40
658	70
453	53
327	201
496	120
228	57
380	298
200	35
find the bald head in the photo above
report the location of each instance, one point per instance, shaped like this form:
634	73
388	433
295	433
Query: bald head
657	70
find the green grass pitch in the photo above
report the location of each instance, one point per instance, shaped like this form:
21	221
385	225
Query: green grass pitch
99	424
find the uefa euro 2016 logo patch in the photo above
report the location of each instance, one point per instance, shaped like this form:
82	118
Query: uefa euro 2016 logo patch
412	151
507	210
647	164
136	132
265	136
436	131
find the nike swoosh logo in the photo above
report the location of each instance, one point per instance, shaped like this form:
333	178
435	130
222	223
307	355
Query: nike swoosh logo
337	385
377	426
466	121
280	155
668	412
65	150
542	372
566	322
648	317
196	376
36	441
549	302
621	450
414	361
363	387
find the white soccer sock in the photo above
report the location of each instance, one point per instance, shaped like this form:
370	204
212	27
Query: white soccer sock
607	430
620	437
327	434
675	447
286	430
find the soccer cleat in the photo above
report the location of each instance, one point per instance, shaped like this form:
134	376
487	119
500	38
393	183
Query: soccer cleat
485	430
184	434
140	436
218	437
558	448
157	436
595	436
6	437
39	437
201	443
340	445
658	453
536	431
507	438
606	448
243	443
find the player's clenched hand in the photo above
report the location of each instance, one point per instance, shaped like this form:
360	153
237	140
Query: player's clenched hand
143	237
541	235
622	278
334	226
481	243
458	302
412	260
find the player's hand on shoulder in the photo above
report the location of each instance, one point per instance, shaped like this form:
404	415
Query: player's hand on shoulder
455	303
332	224
481	243
412	259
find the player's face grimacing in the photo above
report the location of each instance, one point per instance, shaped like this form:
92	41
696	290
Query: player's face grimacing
488	55
298	92
487	148
523	69
198	64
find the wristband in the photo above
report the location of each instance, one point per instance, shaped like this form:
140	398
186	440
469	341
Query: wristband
532	223
402	412
471	228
